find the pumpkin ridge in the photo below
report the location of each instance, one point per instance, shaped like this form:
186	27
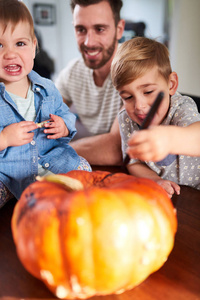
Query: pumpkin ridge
108	175
87	201
99	183
107	193
77	286
87	194
29	204
65	264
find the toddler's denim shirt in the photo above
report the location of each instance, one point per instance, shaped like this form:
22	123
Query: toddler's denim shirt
19	165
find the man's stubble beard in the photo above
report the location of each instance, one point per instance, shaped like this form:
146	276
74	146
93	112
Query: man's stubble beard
107	54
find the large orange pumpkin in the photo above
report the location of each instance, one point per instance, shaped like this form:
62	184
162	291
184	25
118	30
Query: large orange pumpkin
105	238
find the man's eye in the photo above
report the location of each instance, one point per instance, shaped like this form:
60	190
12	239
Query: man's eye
80	30
1	46
100	29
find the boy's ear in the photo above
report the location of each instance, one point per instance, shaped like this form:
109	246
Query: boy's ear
173	83
120	29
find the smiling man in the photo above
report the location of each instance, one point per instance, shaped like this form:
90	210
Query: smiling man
97	39
86	81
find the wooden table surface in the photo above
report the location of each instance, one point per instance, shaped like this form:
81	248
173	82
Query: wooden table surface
178	279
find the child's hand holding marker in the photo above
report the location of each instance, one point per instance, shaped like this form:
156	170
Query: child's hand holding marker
54	127
42	124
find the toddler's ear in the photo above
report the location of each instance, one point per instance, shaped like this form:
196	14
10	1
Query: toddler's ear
173	83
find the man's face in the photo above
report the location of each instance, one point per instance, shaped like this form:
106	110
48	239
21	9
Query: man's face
96	33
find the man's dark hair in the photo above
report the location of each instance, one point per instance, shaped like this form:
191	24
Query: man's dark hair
115	5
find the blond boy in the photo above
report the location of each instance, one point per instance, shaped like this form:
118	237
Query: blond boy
140	70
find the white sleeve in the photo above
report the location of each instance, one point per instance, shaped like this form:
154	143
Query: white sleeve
62	81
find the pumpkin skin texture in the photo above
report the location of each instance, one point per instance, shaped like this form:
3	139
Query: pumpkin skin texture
106	238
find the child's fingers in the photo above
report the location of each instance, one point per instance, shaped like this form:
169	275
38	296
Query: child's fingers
42	124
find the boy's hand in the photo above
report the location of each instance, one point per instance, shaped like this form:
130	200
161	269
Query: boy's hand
17	134
56	128
152	144
141	170
169	186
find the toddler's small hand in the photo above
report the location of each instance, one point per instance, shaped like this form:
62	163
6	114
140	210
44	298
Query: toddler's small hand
56	128
18	134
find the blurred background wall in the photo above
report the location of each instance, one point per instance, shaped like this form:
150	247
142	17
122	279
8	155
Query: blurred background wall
173	22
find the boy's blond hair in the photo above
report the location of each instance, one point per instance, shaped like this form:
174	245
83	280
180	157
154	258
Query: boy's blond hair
14	11
137	56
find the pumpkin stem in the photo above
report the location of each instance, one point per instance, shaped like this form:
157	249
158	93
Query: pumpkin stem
71	184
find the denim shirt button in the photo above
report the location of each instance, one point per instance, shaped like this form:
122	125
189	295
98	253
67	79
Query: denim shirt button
46	165
37	89
32	143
